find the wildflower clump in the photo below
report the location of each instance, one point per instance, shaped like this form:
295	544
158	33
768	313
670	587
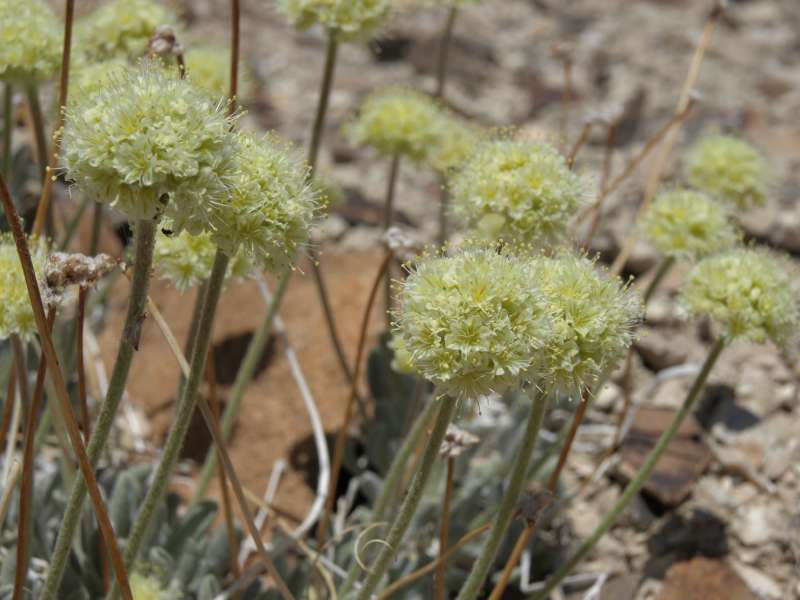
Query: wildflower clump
593	321
688	224
455	142
187	260
16	314
271	205
347	19
471	323
728	168
398	122
121	28
520	191
210	70
149	142
749	292
30	41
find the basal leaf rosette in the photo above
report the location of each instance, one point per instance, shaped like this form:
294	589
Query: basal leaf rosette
471	323
398	121
30	41
730	169
187	260
750	293
688	224
121	28
593	319
16	314
271	206
347	19
522	192
149	143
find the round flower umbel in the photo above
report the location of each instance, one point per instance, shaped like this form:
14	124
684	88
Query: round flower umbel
271	205
16	314
593	320
398	122
522	192
210	70
471	323
121	28
730	169
688	224
144	587
347	19
30	41
749	292
148	142
186	259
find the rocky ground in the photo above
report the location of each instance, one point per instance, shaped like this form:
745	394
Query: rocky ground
732	530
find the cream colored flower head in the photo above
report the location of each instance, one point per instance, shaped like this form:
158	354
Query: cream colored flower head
16	314
519	191
210	70
730	169
187	260
150	143
145	587
271	205
688	224
398	121
456	140
30	41
91	77
347	19
471	323
750	293
593	315
121	28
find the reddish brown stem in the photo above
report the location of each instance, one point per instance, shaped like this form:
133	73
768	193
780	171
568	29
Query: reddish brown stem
82	400
8	405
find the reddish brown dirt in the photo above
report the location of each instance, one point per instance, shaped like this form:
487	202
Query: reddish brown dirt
272	417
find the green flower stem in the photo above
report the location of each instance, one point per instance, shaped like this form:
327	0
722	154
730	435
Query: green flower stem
183	417
40	136
243	378
191	338
72	225
144	242
444	51
331	52
8	128
663	268
412	499
392	479
388	209
97	222
444	202
508	506
641	477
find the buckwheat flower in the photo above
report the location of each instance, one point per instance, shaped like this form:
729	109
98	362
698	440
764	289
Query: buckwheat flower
149	142
520	191
271	205
728	168
146	588
187	260
210	70
456	140
688	224
471	323
16	314
397	121
30	41
121	28
89	77
750	293
347	19
593	320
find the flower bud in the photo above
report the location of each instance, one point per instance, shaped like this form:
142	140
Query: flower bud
750	293
347	19
524	189
471	323
728	168
30	41
688	224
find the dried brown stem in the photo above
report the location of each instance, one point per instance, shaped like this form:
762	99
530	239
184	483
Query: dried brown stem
82	400
8	405
57	377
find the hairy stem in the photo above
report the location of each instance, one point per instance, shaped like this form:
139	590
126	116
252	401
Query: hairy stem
144	240
440	586
412	499
508	506
641	477
388	211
